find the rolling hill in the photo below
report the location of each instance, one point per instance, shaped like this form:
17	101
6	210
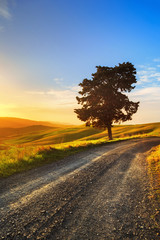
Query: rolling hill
9	122
49	134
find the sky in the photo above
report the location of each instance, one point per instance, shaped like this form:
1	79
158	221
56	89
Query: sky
47	47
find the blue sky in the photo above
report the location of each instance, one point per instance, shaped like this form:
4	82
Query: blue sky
48	47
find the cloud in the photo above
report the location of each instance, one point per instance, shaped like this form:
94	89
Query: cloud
75	88
58	80
149	75
148	91
156	60
156	74
35	92
148	94
4	10
143	79
55	97
143	76
149	110
151	68
141	66
63	97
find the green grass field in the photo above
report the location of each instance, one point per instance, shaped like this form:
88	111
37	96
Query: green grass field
27	147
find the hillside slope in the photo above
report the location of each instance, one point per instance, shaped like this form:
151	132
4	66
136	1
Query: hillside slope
9	122
45	135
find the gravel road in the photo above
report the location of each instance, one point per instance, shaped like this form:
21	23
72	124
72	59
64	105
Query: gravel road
101	193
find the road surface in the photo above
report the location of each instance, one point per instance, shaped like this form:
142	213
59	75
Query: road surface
101	193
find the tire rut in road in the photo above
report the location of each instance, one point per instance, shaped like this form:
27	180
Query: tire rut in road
69	190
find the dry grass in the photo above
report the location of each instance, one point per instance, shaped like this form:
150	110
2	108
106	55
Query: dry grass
153	160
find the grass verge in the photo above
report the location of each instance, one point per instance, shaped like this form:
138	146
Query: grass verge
153	160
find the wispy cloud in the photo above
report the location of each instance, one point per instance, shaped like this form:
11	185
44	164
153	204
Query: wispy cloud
4	10
75	88
148	75
151	68
65	97
147	91
156	60
58	80
148	94
141	66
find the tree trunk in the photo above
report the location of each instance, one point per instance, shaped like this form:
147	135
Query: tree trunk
110	132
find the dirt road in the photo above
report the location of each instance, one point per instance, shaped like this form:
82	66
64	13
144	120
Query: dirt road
102	193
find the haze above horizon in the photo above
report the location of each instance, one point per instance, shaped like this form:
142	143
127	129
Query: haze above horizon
48	47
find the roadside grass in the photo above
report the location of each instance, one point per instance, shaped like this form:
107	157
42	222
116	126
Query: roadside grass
20	152
153	160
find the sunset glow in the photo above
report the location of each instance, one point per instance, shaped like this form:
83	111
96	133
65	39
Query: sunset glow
48	47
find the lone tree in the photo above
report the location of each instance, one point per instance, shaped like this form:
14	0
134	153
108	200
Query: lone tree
103	100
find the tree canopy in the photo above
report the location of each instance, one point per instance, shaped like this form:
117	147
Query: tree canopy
103	100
